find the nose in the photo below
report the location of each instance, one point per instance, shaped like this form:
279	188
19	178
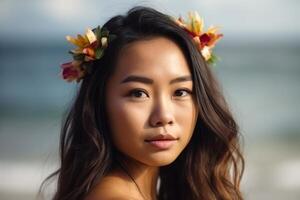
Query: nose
162	113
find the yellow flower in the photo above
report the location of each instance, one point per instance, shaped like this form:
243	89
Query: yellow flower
91	36
204	41
196	23
82	42
90	47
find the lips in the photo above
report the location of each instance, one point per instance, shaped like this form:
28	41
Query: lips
161	137
162	141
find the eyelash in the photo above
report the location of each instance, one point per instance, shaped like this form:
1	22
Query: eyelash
135	91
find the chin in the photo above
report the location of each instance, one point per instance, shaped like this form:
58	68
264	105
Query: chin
160	159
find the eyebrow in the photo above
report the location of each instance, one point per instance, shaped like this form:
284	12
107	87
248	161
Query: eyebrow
142	79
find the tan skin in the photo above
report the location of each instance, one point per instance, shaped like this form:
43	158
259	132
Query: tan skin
140	109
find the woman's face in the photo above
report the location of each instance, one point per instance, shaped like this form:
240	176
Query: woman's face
151	108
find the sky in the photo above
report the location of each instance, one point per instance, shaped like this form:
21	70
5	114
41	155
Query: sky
48	20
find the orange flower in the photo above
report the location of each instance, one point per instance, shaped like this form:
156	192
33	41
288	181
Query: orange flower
90	47
86	44
205	41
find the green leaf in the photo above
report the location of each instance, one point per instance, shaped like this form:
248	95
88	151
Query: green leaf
104	33
99	53
78	56
98	32
213	59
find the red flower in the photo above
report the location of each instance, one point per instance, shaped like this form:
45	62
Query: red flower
72	71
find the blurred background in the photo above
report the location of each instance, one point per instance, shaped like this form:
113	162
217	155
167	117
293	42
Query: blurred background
259	71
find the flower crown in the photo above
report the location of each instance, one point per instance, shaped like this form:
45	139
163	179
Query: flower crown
91	46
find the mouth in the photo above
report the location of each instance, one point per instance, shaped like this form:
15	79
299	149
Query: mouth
166	136
162	143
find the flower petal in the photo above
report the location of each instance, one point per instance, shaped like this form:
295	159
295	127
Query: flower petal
206	53
89	52
73	41
104	41
91	36
71	71
83	40
196	23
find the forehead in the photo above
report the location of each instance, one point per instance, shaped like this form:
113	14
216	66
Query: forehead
155	57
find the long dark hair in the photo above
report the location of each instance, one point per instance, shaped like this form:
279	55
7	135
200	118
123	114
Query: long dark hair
210	167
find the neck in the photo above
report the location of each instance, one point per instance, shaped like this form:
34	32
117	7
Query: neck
144	177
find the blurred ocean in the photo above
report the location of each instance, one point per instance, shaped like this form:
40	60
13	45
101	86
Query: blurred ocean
261	82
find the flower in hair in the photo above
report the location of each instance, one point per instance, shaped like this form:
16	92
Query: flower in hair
90	47
205	41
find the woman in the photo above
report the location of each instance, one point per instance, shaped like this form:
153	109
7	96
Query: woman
149	120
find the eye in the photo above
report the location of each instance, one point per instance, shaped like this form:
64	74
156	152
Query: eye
138	93
183	92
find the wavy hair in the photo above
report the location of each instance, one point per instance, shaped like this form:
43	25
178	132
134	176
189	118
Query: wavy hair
209	168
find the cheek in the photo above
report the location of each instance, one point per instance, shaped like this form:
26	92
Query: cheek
186	119
127	121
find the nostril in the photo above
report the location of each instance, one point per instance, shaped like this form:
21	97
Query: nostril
159	123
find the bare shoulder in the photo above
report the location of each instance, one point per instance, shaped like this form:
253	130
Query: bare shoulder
113	187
